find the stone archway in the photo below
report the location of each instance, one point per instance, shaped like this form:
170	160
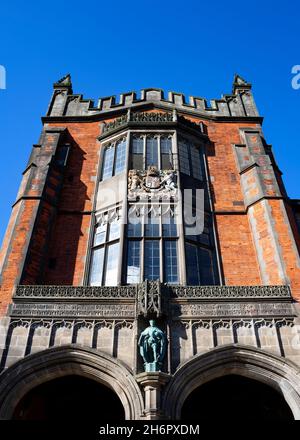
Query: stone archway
69	398
278	373
54	363
234	397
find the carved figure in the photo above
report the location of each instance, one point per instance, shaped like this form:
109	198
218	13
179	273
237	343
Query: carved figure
152	344
152	180
168	180
134	181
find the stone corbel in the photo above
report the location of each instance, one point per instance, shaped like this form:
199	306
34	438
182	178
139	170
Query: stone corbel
152	384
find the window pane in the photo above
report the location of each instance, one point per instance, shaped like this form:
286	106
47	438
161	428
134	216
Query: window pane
184	157
114	230
151	151
137	151
166	153
134	226
134	229
205	237
196	162
100	234
206	267
151	260
120	157
137	145
170	262
152	226
96	267
61	155
108	162
169	228
111	270
192	265
133	262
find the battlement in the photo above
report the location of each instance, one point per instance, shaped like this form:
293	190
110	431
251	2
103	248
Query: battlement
238	104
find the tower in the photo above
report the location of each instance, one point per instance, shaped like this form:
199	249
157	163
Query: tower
152	208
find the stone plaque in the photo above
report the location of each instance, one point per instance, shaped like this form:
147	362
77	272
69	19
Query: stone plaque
232	310
74	310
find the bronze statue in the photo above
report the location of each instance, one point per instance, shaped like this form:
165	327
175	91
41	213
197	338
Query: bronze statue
152	343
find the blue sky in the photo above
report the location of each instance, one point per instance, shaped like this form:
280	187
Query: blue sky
191	47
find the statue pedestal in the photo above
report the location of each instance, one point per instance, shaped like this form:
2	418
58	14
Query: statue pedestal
152	367
152	382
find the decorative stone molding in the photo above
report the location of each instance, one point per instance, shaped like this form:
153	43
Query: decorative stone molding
116	123
228	292
232	309
151	117
149	299
78	292
236	323
73	310
213	293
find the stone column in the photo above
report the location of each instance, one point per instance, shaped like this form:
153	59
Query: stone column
152	384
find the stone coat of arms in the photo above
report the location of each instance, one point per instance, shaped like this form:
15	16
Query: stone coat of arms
152	181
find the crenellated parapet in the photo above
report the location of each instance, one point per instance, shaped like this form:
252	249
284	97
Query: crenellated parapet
239	104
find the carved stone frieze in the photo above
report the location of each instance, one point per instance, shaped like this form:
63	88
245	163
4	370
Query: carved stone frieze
72	310
232	309
216	323
228	292
151	117
66	292
118	122
152	298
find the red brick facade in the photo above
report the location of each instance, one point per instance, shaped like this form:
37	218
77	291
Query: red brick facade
47	240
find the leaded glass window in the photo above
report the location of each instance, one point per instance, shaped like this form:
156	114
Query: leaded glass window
151	150
184	157
105	251
108	162
170	262
137	153
134	262
199	265
166	152
151	260
120	156
152	243
111	267
114	158
97	267
190	159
